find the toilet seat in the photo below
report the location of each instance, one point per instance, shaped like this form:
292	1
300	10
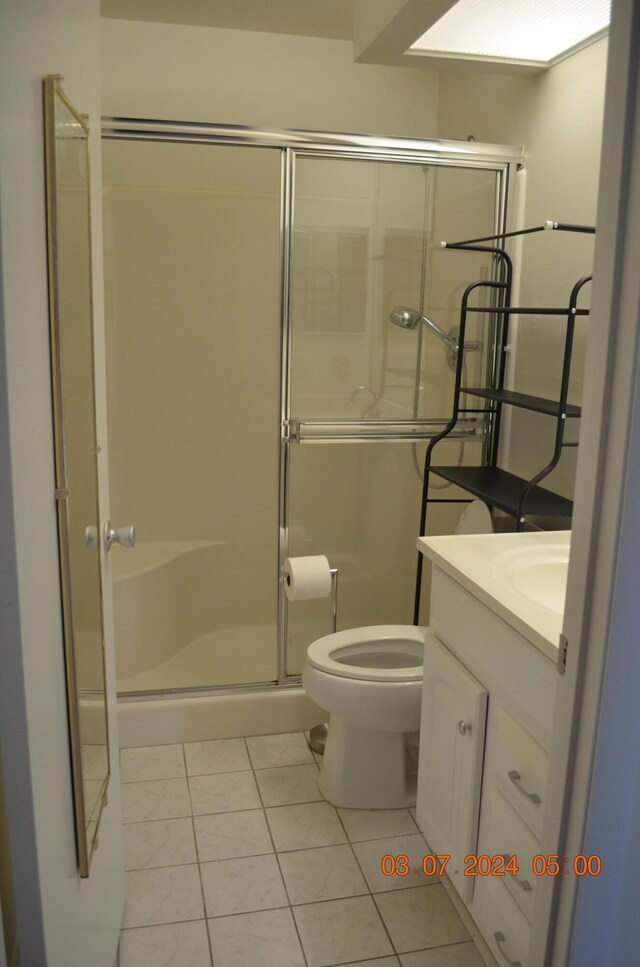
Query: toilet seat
381	653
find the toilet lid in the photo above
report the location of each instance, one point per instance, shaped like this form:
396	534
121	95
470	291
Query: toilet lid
476	519
380	653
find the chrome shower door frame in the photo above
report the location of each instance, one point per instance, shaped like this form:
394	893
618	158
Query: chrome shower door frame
504	160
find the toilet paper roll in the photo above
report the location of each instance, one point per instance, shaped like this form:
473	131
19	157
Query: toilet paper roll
306	578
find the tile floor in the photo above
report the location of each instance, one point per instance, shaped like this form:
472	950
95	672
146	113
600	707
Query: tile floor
234	859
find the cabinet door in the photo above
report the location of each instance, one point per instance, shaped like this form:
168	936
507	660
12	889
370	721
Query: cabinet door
454	711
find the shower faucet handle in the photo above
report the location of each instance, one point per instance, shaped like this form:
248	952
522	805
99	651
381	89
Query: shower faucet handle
125	536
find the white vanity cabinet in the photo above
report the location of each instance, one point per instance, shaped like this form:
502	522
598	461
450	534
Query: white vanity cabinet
483	792
454	708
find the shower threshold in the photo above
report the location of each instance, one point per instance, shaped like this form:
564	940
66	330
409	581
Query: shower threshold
202	715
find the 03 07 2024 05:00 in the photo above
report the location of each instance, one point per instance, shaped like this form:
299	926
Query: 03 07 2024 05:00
502	864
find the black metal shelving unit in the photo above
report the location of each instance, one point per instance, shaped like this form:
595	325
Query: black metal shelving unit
516	496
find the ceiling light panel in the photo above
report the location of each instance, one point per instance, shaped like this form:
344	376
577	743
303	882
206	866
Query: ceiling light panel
538	31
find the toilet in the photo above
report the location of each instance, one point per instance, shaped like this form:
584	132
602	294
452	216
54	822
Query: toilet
370	681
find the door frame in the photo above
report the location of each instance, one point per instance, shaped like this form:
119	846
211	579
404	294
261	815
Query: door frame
591	781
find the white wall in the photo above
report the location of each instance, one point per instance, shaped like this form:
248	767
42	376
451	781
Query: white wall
557	117
269	80
62	921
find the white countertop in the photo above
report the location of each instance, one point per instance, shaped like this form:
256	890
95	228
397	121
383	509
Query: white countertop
474	561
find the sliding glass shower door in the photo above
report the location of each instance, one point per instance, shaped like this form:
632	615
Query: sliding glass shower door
261	402
365	240
192	244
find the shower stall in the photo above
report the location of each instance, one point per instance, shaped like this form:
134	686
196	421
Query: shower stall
261	403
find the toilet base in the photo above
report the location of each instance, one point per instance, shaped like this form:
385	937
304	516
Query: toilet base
363	769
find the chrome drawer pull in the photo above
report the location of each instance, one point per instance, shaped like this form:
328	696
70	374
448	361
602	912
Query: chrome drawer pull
523	884
531	796
499	939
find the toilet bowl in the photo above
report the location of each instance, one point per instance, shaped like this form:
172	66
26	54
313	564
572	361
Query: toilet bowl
370	682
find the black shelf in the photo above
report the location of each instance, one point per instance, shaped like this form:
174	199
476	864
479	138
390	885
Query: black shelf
503	490
529	310
515	496
536	403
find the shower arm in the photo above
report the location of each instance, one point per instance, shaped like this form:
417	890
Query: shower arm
451	342
444	337
406	318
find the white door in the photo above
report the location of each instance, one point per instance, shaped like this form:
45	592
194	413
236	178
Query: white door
454	710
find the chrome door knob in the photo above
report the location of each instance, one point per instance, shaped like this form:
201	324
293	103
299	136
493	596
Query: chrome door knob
125	536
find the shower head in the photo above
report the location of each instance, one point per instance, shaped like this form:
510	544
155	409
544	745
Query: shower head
404	317
407	318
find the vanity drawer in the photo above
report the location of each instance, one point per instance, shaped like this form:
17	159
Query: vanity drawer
504	834
520	767
502	925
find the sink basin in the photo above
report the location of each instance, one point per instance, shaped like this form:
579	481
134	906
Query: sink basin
538	573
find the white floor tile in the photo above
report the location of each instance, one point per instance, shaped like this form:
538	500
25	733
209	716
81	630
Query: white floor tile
251	922
163	842
223	793
291	784
288	749
267	938
227	835
338	931
242	885
419	918
457	955
151	762
168	945
370	856
156	799
166	895
220	755
378	962
321	874
363	824
305	826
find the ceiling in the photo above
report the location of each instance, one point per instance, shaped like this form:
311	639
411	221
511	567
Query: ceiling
310	18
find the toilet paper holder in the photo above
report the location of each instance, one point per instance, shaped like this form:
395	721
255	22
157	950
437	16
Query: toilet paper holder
334	599
333	590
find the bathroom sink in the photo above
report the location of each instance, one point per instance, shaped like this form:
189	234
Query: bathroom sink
538	573
521	576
